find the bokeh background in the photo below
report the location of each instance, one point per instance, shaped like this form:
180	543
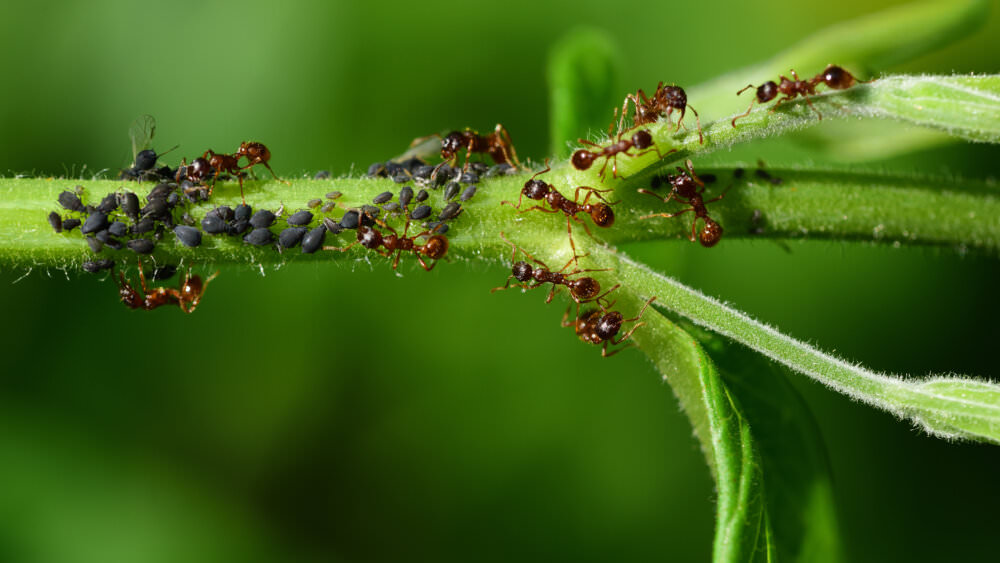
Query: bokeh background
344	413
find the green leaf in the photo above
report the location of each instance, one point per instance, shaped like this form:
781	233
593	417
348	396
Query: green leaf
796	472
583	85
743	526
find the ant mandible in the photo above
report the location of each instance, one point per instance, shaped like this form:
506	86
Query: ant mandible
188	296
597	326
833	76
435	247
688	188
582	290
600	213
496	144
582	159
665	100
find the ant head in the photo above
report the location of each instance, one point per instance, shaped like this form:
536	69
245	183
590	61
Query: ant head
710	234
582	159
642	139
585	288
369	237
535	189
451	144
602	215
684	185
609	325
835	77
244	149
436	247
198	169
767	91
674	96
521	271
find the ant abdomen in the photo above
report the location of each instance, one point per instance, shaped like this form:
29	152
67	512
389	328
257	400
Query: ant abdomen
585	289
436	247
836	77
582	159
602	215
711	234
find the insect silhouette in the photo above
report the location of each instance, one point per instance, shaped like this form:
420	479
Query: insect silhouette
600	213
434	247
664	101
602	327
582	289
687	188
582	159
187	296
833	76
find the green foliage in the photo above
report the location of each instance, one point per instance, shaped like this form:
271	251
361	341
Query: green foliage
775	493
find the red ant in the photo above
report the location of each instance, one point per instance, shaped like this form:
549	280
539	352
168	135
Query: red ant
664	101
496	144
582	290
256	153
582	159
435	247
598	327
600	213
224	163
688	188
833	76
187	297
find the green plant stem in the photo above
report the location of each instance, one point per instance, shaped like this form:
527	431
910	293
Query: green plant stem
949	407
882	208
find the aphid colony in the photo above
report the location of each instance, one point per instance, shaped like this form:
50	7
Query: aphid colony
120	220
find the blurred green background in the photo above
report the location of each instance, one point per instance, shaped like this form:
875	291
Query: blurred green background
331	413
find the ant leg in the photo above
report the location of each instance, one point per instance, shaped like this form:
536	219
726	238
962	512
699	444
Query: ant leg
424	264
593	192
606	354
701	136
505	286
569	230
635	318
519	199
665	199
722	195
566	316
604	296
694	230
742	115
268	166
142	277
552	293
808	101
